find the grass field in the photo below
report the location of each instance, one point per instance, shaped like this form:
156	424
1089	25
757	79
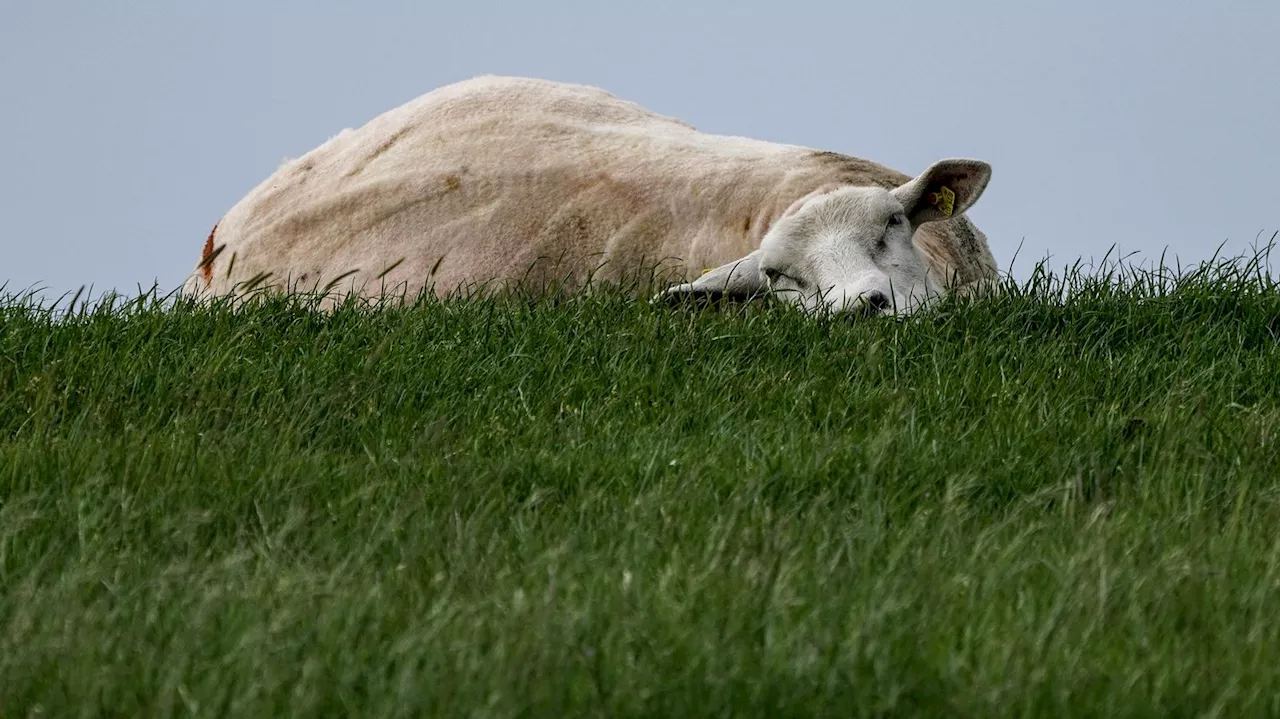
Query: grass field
1030	505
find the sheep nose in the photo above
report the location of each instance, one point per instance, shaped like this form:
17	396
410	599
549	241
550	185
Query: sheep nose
869	304
878	300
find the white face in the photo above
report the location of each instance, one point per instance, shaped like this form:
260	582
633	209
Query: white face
847	251
850	250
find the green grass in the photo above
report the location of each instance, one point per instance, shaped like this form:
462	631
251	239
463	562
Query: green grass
1064	500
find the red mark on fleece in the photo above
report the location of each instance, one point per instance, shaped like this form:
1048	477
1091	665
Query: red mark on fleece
206	259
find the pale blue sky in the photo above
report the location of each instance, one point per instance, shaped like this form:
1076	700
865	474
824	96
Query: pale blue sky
130	126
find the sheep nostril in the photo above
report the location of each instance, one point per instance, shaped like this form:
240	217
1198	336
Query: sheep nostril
878	300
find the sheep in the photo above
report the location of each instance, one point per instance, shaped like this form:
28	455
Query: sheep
496	181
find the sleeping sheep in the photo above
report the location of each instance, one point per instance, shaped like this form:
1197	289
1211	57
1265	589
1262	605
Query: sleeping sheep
498	181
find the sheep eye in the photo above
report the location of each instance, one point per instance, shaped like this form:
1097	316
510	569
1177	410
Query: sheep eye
774	275
894	221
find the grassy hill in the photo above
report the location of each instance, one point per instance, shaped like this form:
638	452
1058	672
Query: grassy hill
1060	501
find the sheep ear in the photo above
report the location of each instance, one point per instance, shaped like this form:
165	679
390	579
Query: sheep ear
946	189
737	280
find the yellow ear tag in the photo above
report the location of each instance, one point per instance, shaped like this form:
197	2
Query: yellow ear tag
944	199
707	270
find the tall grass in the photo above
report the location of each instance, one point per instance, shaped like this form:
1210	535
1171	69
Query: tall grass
1061	499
